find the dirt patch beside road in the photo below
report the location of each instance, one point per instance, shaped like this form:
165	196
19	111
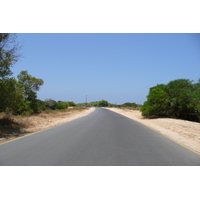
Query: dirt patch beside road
41	122
183	131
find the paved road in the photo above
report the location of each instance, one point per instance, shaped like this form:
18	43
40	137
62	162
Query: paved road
101	138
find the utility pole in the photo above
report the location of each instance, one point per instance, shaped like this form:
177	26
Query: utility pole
86	99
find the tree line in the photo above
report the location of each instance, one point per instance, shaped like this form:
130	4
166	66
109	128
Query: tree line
178	99
105	103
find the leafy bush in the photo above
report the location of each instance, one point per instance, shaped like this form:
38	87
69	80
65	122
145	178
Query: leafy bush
25	108
71	103
103	103
61	105
128	104
179	99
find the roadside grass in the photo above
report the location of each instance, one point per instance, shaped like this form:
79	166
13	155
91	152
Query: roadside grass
18	116
43	116
79	108
9	127
130	108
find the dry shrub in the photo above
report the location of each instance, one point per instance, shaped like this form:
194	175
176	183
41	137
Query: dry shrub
10	127
6	119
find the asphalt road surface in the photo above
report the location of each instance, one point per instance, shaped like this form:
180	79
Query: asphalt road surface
103	138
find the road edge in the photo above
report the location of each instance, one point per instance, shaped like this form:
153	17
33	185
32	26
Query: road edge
189	148
28	134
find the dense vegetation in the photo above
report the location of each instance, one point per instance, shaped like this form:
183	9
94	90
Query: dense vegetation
128	104
50	104
18	96
177	99
104	103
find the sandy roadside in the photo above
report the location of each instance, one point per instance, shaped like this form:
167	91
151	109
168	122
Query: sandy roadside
46	121
182	131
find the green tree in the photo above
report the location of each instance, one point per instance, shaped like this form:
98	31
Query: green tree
103	103
157	102
30	86
8	53
11	95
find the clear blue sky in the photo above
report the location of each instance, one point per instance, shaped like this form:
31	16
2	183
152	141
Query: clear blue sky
116	67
